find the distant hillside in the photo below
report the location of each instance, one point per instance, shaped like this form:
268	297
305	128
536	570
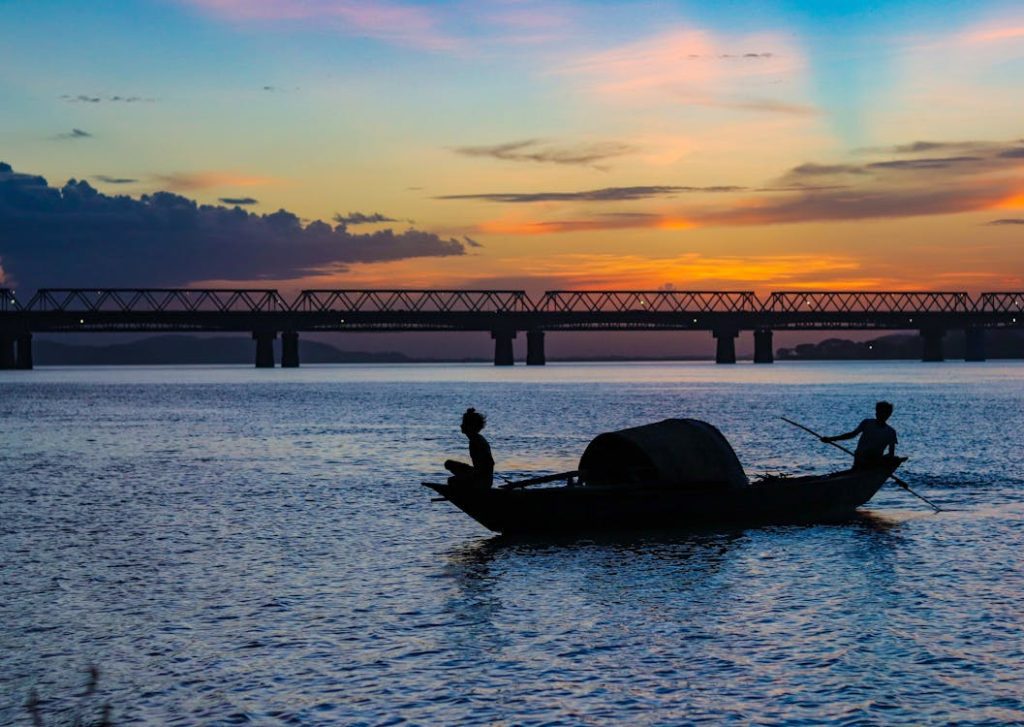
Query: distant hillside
192	350
998	344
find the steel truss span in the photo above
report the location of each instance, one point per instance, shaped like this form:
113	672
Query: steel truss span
412	301
868	302
648	301
157	300
1001	302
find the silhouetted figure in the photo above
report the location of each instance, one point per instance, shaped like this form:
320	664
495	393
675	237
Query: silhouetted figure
481	473
875	437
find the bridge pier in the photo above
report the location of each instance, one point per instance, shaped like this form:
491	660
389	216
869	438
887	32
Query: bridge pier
290	350
535	348
974	344
763	351
503	353
24	358
6	351
725	350
264	348
932	350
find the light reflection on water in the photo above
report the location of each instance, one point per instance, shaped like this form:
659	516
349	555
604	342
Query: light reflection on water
231	544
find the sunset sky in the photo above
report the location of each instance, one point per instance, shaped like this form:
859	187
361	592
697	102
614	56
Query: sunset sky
746	145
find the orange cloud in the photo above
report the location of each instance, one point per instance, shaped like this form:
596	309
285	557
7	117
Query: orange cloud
992	35
1014	202
695	269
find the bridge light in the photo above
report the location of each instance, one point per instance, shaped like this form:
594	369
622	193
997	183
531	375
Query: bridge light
81	320
694	320
342	320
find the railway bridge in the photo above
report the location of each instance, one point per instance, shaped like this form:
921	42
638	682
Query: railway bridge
502	314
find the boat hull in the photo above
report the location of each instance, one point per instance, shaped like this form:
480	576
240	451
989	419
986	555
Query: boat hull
582	508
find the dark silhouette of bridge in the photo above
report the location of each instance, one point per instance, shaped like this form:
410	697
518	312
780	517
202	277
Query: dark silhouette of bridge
502	313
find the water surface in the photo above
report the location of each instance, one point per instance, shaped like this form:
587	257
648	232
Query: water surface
229	544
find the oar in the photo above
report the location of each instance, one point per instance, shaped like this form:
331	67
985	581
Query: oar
893	477
537	480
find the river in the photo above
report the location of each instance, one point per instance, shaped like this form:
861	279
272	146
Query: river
228	545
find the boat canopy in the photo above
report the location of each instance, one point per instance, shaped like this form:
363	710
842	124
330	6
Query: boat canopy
684	453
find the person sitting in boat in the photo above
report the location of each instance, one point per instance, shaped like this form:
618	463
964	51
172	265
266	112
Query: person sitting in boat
875	437
480	474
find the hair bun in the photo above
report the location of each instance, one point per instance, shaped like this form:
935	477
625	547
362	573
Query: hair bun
471	410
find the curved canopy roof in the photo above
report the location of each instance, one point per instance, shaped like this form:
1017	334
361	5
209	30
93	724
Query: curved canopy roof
686	453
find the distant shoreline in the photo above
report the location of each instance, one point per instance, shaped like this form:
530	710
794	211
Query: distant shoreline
171	350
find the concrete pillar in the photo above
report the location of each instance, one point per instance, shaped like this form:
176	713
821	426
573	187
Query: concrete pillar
535	348
725	352
6	351
974	344
763	351
289	350
264	348
24	359
932	349
503	355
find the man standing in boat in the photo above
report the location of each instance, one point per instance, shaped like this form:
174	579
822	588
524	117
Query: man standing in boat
875	437
480	474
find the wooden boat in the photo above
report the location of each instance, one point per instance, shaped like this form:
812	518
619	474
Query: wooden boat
676	473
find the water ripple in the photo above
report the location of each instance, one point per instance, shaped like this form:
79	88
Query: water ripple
233	549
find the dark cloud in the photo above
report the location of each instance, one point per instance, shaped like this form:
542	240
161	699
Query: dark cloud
470	241
820	192
857	203
1007	221
837	206
607	194
74	134
987	157
927	147
931	163
696	56
766	105
772	106
803	188
360	218
77	236
239	201
825	170
930	185
539	150
114	180
85	98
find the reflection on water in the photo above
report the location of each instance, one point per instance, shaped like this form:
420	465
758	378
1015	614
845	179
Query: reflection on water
231	545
